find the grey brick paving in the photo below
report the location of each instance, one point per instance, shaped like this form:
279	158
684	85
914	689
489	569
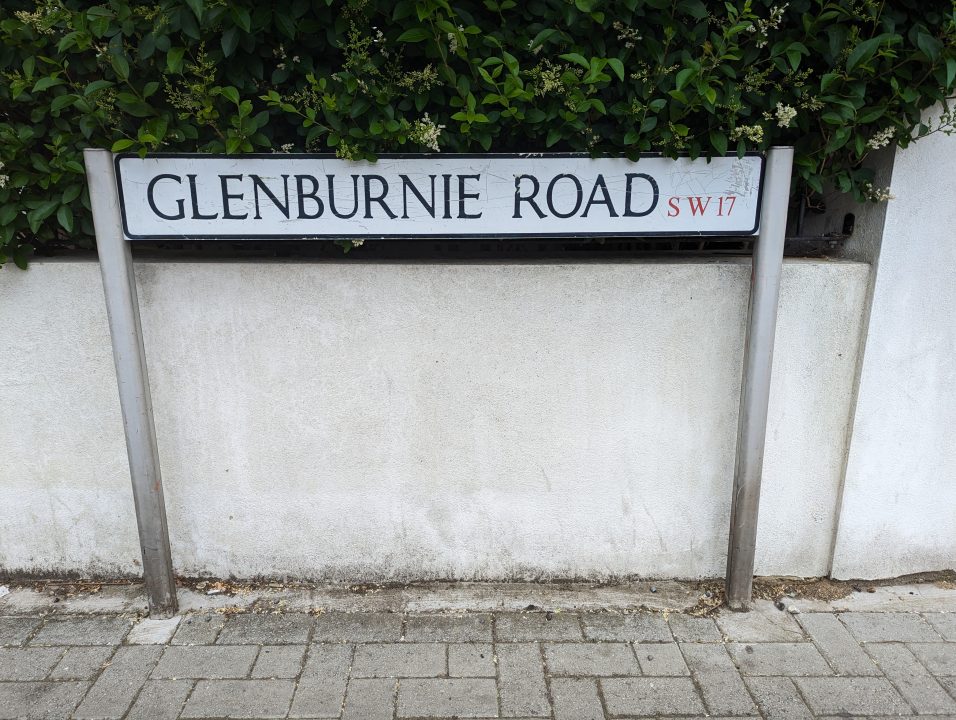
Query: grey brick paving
852	696
358	627
118	684
651	696
520	627
939	658
399	660
595	659
370	699
198	629
160	700
449	628
694	629
82	663
660	659
209	662
778	659
83	631
471	660
914	681
576	699
760	625
725	693
279	661
321	688
889	627
15	630
944	624
471	698
641	627
288	628
521	683
40	700
563	666
777	697
836	643
32	663
240	699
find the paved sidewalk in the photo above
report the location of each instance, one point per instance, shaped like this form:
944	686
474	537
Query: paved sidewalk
561	665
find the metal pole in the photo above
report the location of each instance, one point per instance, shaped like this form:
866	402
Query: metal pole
755	386
122	307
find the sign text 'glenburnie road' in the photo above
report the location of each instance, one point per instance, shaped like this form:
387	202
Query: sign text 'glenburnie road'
314	196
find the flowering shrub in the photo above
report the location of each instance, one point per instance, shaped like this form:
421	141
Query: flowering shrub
836	79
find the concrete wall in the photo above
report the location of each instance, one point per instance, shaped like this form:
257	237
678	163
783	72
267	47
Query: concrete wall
390	421
899	503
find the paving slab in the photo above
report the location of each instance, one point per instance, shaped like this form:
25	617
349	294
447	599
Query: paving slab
370	699
938	658
82	663
199	629
521	682
778	659
399	660
258	699
358	627
207	662
890	627
852	696
660	659
686	628
595	659
522	627
764	623
471	660
160	700
912	679
631	627
153	632
707	657
14	631
725	693
944	624
119	683
838	646
33	663
449	628
447	697
279	661
262	629
80	630
40	700
576	699
321	688
651	696
777	697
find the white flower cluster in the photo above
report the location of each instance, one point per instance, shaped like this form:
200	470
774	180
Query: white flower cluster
763	27
628	35
877	194
881	139
785	115
425	132
453	41
753	133
4	179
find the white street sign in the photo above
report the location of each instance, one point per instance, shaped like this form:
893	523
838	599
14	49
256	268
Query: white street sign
415	196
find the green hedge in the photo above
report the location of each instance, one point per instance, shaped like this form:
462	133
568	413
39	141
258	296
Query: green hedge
835	79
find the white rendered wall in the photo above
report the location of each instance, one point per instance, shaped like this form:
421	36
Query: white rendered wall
899	503
407	421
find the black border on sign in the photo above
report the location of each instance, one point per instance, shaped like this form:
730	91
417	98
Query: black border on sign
419	236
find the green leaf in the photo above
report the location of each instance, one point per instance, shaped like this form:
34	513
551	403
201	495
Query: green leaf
62	101
230	40
414	35
196	7
719	142
617	66
863	52
45	83
120	66
121	145
174	59
97	85
684	77
65	217
230	93
578	59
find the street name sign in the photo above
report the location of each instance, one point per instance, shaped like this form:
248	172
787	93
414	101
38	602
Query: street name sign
449	196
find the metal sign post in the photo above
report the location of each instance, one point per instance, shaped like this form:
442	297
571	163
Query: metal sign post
415	196
122	307
755	384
